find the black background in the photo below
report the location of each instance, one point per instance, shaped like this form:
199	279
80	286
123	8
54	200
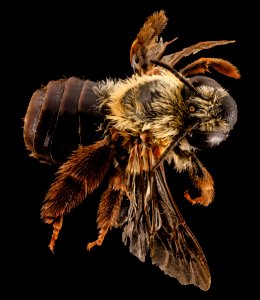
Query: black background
44	41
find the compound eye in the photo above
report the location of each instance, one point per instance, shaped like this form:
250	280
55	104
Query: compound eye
197	81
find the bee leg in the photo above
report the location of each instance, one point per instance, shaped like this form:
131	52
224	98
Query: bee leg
99	241
56	230
77	178
108	210
202	180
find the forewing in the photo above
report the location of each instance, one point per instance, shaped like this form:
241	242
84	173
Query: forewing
136	230
154	224
173	247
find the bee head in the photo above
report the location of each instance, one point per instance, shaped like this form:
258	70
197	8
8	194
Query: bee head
214	110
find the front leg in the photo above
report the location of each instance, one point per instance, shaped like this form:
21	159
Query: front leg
199	175
202	180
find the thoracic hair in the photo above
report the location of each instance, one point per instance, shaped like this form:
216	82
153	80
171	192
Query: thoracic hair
144	103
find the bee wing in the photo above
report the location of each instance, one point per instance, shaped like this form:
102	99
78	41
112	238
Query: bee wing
173	246
155	224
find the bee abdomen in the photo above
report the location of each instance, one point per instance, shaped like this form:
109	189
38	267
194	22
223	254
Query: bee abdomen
60	117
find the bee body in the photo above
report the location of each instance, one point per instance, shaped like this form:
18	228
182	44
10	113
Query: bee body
124	130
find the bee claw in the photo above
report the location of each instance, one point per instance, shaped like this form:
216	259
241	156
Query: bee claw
188	197
97	242
91	245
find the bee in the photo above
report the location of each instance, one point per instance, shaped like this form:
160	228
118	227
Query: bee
121	132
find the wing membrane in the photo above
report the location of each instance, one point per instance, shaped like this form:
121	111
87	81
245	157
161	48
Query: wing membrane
155	225
174	248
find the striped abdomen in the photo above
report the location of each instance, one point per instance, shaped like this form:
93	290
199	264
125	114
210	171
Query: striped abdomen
61	116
